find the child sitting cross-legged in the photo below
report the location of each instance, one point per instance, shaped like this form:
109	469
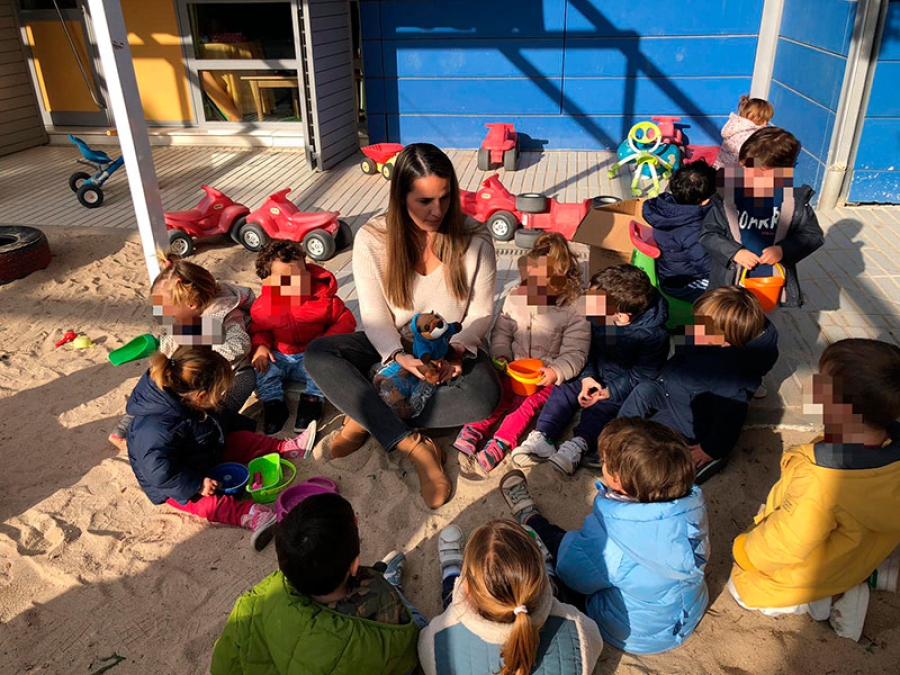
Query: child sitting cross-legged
830	522
321	612
629	343
298	303
677	220
181	430
705	388
540	320
503	617
641	553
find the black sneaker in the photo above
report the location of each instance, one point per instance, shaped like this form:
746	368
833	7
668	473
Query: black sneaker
591	460
708	470
275	415
309	409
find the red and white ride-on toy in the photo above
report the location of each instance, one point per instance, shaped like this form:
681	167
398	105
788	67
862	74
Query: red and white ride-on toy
503	212
500	146
380	158
215	214
321	233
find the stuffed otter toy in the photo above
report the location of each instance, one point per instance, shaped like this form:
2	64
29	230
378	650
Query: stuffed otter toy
405	393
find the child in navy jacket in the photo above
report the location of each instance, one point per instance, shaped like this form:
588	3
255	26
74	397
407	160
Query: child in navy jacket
629	343
705	388
677	220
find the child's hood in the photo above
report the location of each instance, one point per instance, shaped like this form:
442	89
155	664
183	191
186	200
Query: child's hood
148	399
737	125
229	298
669	538
664	213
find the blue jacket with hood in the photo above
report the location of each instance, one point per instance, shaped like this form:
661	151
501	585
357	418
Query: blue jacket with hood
170	446
642	567
622	356
676	229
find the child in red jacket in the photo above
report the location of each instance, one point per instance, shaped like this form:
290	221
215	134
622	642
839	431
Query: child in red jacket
297	304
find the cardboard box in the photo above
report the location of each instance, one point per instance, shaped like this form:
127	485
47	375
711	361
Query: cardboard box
605	229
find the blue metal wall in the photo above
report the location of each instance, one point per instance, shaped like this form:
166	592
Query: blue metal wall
808	75
876	171
575	74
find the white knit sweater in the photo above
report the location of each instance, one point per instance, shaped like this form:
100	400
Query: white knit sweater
381	321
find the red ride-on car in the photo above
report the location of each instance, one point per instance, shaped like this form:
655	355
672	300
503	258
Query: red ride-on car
321	233
215	214
380	158
503	212
500	146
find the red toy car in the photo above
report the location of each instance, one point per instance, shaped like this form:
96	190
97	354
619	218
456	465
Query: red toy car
380	158
215	214
500	146
672	134
502	212
321	232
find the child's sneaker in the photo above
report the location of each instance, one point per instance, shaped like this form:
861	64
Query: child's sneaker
467	440
849	613
275	414
120	433
393	563
534	449
309	410
451	544
548	559
591	460
260	519
568	457
300	446
514	488
492	454
885	577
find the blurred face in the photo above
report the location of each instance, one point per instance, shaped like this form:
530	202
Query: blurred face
428	201
292	279
164	307
825	399
705	333
598	308
536	282
762	182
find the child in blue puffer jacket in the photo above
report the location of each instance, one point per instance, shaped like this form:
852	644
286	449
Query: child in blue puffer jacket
677	220
640	555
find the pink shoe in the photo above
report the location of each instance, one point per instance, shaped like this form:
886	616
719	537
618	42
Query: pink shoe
260	519
492	455
300	446
467	440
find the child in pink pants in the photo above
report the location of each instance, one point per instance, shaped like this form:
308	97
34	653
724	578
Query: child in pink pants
539	320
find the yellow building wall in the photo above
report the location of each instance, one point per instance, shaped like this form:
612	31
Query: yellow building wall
155	49
61	83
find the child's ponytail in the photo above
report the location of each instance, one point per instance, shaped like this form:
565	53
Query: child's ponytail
199	376
188	283
507	582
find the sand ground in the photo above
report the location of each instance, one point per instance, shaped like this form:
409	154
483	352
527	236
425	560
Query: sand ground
93	578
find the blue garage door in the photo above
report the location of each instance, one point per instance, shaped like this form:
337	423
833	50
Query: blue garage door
573	73
876	171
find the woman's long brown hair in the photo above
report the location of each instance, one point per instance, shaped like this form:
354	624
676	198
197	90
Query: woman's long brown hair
504	569
421	160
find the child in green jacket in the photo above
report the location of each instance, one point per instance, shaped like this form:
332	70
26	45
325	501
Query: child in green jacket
321	612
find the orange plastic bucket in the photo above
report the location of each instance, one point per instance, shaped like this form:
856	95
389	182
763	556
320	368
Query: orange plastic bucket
524	376
766	289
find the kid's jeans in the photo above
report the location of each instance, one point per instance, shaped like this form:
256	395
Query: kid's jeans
563	404
287	368
240	446
517	410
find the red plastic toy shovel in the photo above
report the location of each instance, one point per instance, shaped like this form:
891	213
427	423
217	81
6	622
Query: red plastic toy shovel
68	337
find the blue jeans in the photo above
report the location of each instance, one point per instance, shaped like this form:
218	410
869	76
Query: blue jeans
287	367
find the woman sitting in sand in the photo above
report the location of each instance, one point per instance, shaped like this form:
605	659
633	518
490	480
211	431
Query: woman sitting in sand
423	255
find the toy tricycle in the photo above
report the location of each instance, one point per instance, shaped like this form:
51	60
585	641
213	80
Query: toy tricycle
87	187
500	146
380	158
321	232
672	134
215	214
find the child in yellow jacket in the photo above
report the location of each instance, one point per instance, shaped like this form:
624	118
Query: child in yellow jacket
830	521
